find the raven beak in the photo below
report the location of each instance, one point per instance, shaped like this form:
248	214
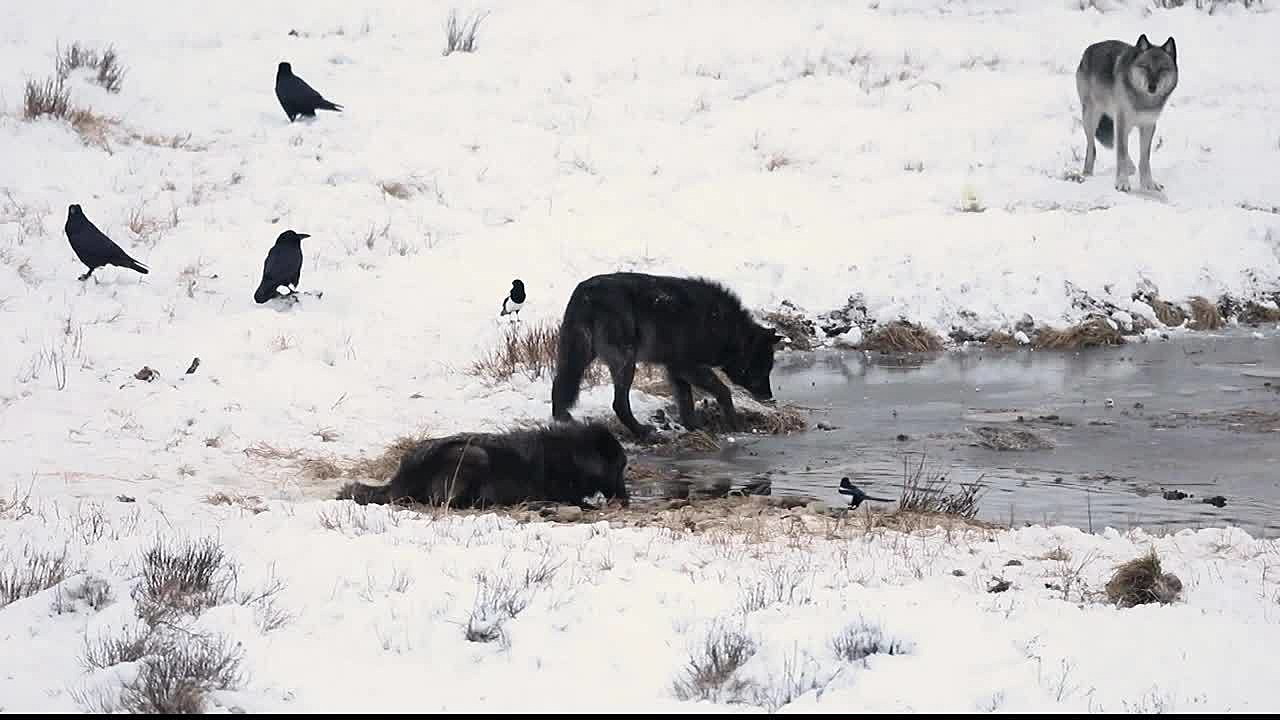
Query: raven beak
303	235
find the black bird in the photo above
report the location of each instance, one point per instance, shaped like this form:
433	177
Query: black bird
282	266
297	97
93	247
514	300
856	494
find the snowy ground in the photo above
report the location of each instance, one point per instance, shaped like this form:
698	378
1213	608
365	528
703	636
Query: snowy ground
796	151
379	604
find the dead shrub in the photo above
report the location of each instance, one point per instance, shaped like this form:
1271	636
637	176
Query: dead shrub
183	577
1094	332
252	503
861	640
1204	314
1141	581
34	572
1001	340
710	673
132	644
926	492
901	337
461	37
177	677
776	161
94	591
383	466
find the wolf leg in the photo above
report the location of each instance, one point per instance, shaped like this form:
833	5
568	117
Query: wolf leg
573	357
1090	118
684	398
623	370
704	378
1146	133
1124	166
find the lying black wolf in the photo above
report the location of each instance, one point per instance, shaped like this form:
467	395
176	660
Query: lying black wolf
690	325
564	463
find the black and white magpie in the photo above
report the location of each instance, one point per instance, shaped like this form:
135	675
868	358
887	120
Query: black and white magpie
514	300
856	494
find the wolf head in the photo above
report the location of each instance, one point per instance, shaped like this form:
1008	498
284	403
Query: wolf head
601	461
1154	71
755	363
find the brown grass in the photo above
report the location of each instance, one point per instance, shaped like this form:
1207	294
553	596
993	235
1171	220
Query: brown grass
396	189
530	349
377	468
1205	315
1094	332
1257	314
902	337
1142	581
927	492
1167	313
797	328
1001	340
108	72
776	161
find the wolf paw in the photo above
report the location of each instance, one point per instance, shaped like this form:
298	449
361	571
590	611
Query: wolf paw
1150	185
1122	183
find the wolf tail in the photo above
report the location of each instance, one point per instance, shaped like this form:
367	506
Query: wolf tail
574	354
1106	132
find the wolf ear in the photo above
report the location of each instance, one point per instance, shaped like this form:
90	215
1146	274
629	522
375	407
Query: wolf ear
1143	43
1170	48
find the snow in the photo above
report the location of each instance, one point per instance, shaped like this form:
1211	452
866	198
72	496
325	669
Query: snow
379	603
795	151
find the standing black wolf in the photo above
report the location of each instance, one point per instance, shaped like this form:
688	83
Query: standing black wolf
564	463
690	325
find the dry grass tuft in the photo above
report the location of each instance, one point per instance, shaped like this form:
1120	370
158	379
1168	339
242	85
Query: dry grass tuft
1001	341
1094	332
383	466
927	492
1257	314
252	503
50	97
108	72
531	350
1205	315
1141	581
902	337
710	673
33	572
396	189
461	37
1169	314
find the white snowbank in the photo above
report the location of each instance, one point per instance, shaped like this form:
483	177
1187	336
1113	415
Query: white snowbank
380	605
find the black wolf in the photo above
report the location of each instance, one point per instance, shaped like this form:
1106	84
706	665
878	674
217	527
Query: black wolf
563	463
690	325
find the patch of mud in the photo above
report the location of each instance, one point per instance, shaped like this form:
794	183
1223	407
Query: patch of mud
1006	439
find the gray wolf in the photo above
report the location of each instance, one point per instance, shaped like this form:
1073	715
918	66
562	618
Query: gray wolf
562	463
1120	86
297	97
93	247
690	325
283	266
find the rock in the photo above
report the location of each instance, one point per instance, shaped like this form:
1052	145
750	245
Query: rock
1025	325
1021	338
958	573
125	499
1013	563
998	585
195	363
568	513
902	437
1216	501
1109	402
826	427
146	374
1174	495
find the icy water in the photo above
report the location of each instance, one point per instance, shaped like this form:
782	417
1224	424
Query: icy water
1198	414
